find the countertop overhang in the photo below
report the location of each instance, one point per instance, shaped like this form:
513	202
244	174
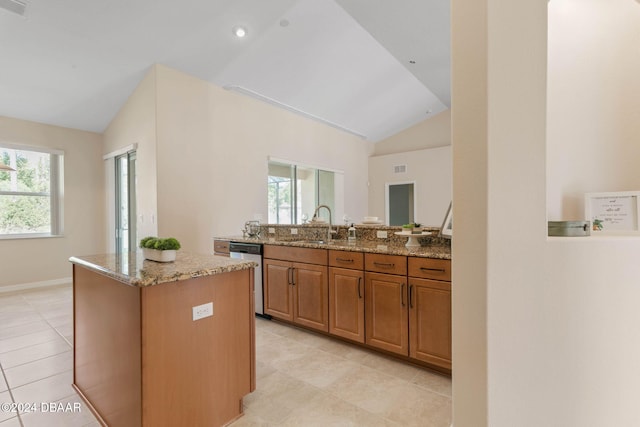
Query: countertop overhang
133	269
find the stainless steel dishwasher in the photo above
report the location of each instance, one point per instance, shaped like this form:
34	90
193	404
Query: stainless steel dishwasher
251	252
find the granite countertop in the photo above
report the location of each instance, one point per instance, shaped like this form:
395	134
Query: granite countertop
132	269
430	251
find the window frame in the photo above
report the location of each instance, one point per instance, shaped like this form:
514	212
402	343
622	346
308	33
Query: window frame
296	217
56	191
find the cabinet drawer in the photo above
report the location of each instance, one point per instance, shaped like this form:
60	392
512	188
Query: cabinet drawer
429	268
390	264
346	259
289	253
221	247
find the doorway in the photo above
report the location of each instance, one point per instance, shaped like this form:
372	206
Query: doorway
400	203
126	235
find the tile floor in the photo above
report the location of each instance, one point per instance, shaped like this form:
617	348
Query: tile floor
303	379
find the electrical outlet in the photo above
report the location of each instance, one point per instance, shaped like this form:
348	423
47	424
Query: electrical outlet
272	230
382	234
202	311
294	231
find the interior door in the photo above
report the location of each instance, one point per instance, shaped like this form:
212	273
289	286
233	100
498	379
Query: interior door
400	203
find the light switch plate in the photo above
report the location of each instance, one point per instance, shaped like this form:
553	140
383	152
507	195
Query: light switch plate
382	234
202	311
294	231
272	230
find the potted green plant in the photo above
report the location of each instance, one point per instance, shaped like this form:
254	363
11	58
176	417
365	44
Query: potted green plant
407	228
159	249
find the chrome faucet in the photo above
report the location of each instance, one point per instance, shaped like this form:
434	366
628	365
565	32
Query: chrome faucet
315	215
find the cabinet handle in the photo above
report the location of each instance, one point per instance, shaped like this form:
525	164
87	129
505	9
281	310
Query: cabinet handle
289	276
344	260
293	276
441	270
402	294
383	264
411	296
359	283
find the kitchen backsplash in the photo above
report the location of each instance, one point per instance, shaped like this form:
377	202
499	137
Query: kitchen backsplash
282	232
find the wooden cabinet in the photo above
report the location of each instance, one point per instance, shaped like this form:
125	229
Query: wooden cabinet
278	291
310	296
386	305
395	303
346	295
297	291
430	311
388	264
386	312
429	268
221	247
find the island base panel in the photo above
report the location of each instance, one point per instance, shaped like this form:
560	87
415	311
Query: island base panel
107	369
196	372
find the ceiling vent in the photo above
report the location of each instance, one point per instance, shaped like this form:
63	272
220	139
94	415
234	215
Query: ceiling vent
14	6
400	169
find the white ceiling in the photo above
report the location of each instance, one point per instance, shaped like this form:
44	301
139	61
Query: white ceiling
73	63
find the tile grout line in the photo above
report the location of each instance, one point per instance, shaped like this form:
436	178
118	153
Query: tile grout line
49	324
13	400
329	393
32	306
381	371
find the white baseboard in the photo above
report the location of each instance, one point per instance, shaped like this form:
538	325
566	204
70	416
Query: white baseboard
35	285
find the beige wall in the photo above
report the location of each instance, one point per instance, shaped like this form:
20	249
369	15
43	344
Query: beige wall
213	147
429	169
135	123
542	327
594	102
430	133
470	199
210	149
30	261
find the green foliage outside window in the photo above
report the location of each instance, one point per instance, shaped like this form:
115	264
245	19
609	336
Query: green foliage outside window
25	202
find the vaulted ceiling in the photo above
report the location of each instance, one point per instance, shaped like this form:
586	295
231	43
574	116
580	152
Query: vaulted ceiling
370	67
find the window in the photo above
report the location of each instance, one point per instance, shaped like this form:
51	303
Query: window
30	202
294	191
126	235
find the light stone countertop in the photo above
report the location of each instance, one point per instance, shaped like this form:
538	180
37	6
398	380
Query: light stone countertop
430	251
132	269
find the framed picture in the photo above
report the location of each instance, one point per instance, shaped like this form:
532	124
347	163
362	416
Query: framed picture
447	225
613	213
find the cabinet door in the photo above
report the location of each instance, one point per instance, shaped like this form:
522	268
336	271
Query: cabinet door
310	296
346	303
387	312
430	321
277	277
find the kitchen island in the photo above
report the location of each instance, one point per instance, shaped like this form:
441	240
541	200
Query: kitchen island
140	358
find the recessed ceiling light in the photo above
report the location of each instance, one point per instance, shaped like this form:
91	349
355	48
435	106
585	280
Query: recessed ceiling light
239	32
284	23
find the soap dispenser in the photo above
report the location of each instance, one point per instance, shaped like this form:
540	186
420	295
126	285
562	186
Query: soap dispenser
351	233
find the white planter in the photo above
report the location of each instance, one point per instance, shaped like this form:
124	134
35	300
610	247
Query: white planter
159	256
